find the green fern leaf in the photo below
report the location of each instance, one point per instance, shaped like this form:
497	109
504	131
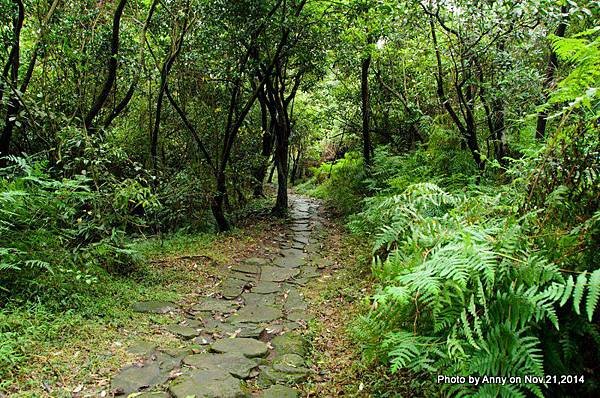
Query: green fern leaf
568	290
593	293
579	290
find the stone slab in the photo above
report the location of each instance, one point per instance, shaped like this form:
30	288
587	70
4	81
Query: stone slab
264	287
256	314
154	307
277	274
236	364
278	391
250	348
213	383
136	378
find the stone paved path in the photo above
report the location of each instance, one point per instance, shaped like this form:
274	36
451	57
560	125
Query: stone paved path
250	333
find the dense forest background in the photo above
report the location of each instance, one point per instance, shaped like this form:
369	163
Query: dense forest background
460	138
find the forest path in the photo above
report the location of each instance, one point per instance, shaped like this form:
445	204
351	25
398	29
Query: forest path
245	339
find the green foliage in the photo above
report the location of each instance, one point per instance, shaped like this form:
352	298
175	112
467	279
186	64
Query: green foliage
466	289
580	87
65	230
341	183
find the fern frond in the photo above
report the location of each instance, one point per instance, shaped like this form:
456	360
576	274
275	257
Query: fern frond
579	290
593	293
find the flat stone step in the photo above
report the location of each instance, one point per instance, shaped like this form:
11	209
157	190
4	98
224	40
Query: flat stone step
184	332
250	348
154	307
212	383
246	268
236	364
134	378
278	274
256	314
265	287
278	391
211	304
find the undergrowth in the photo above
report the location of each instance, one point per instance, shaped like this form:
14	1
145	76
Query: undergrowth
493	273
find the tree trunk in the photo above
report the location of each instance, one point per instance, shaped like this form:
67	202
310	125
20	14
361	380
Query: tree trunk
260	172
542	120
270	180
111	74
217	203
11	70
499	130
295	167
366	111
281	153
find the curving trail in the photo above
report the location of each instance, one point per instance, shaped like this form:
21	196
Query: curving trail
244	341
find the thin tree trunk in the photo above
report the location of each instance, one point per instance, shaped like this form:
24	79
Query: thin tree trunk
12	68
260	172
111	75
281	153
295	167
272	172
542	120
218	201
366	111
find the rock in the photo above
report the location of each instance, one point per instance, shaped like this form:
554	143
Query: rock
300	227
193	323
232	288
213	383
256	314
246	268
269	376
310	272
168	361
289	262
203	339
157	394
264	287
290	363
278	391
275	328
154	307
250	330
184	332
219	327
302	237
291	325
236	364
142	348
289	343
215	305
257	261
294	301
298	253
242	276
300	315
300	281
136	378
176	352
259	299
277	274
233	328
298	245
250	348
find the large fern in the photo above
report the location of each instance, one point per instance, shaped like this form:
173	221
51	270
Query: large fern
471	299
